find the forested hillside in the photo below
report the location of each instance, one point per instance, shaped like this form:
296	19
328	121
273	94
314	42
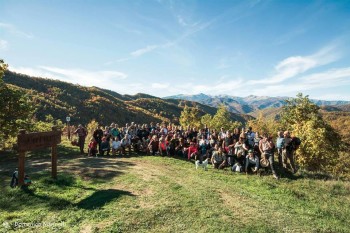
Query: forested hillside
82	104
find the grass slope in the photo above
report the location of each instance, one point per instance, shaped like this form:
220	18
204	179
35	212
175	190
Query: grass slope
155	194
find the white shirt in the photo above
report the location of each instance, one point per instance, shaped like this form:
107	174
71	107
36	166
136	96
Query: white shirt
116	144
125	142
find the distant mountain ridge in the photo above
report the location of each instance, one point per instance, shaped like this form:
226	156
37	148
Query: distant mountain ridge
83	104
248	104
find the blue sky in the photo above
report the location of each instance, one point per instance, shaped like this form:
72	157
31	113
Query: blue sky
167	47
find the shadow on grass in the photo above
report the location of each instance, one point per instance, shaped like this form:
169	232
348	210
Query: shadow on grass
315	175
54	203
102	197
96	200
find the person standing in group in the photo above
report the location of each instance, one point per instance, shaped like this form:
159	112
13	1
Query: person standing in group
98	134
280	145
287	152
266	147
82	133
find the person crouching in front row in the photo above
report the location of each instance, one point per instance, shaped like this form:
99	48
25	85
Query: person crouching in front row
126	143
92	148
104	146
116	146
218	159
252	162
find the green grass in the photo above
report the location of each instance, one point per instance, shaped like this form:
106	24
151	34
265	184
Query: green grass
155	194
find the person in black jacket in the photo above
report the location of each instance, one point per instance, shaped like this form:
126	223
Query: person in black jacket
97	135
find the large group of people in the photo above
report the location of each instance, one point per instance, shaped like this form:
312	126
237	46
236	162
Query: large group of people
241	150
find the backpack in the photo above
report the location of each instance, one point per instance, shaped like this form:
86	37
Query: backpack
295	143
14	180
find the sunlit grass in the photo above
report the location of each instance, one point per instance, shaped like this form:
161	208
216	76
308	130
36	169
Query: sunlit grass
155	194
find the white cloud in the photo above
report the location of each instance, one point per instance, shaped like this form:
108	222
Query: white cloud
316	81
3	44
221	87
195	28
117	61
12	29
160	85
185	23
332	97
293	66
84	77
127	29
142	51
328	77
227	62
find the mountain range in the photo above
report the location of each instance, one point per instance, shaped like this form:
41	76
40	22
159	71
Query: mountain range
249	104
61	99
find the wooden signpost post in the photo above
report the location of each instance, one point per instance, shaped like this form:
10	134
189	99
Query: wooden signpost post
33	141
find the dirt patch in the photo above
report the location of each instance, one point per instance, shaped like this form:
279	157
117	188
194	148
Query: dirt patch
240	206
147	170
86	229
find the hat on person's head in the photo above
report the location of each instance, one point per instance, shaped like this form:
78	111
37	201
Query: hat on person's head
250	151
264	162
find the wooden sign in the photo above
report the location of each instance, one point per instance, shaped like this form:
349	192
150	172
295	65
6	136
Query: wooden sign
33	141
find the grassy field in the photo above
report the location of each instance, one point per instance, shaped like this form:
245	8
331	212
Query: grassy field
155	194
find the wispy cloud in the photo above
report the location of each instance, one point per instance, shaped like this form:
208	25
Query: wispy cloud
160	85
223	87
142	51
186	23
329	77
3	44
81	76
239	87
316	81
196	27
227	62
117	61
291	34
296	65
332	97
12	29
150	48
127	29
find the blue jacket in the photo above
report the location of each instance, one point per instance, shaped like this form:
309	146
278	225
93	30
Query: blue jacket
280	143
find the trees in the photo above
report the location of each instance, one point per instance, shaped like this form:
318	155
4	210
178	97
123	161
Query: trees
16	111
206	120
263	125
190	117
222	119
320	146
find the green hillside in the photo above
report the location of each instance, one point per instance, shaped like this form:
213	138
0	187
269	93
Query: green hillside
82	104
167	194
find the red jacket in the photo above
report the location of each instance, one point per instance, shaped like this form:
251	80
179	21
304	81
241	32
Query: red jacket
93	145
192	149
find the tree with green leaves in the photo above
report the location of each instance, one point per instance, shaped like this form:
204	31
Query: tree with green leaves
222	118
319	150
206	120
190	117
16	111
263	125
